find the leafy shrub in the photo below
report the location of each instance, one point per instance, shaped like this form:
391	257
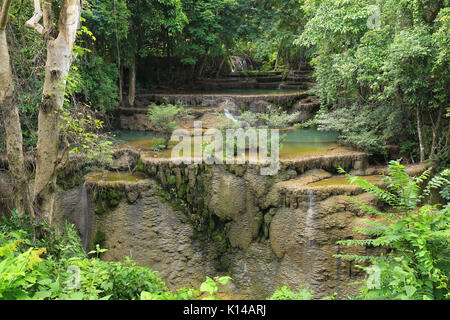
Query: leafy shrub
301	293
276	118
415	263
63	271
166	118
284	293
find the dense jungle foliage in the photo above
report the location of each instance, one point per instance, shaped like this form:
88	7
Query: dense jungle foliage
381	73
381	67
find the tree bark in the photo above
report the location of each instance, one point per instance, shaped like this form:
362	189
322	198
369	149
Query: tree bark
59	60
11	120
132	84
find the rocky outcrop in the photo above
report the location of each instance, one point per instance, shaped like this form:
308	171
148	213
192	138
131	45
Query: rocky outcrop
147	230
189	221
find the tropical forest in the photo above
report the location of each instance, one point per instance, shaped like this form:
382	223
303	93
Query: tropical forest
224	150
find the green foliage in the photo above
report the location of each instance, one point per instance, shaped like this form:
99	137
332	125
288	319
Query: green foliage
383	83
273	118
61	269
415	263
210	286
99	83
301	293
79	131
166	118
159	144
276	118
284	293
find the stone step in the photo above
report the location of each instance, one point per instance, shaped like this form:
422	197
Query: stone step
270	79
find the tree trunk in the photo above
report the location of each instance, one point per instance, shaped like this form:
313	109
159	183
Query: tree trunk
120	84
59	60
202	66
419	131
277	61
221	66
132	85
435	129
11	120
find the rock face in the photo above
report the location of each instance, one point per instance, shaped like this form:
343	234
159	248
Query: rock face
263	231
149	231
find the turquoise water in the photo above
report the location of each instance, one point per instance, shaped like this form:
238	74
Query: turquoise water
295	143
303	142
132	136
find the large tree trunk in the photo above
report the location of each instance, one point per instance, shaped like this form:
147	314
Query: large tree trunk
59	61
132	84
11	120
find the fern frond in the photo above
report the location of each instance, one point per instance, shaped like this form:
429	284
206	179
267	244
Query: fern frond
359	259
369	231
367	208
384	195
356	242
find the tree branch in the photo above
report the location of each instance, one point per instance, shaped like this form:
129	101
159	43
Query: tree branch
4	14
37	16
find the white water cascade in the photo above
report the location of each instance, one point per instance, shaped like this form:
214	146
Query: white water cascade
229	115
310	225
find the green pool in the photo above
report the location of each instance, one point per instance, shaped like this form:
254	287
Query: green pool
295	143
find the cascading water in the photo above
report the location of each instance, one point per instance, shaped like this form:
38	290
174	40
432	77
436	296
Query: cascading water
238	64
244	65
310	236
84	217
310	226
229	115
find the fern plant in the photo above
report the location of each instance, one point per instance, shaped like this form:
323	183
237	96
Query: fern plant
415	262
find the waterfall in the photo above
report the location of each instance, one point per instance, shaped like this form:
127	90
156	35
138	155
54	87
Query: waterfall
84	217
234	67
310	226
229	115
244	65
238	64
310	235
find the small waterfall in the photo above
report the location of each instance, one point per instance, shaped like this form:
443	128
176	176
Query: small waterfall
84	217
310	225
238	64
311	252
229	115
